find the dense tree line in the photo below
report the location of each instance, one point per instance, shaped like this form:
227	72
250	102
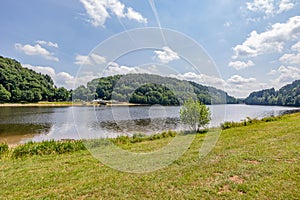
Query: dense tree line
288	95
150	89
18	84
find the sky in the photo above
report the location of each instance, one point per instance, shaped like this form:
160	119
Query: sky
249	45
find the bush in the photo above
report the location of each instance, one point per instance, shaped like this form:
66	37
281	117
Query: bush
3	149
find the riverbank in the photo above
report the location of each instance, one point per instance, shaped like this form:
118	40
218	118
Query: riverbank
65	104
259	161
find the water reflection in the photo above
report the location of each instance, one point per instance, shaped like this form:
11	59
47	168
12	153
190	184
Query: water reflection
19	124
14	133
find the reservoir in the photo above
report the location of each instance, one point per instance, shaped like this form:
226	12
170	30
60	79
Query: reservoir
21	124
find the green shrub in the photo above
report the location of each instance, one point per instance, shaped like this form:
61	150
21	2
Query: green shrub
3	149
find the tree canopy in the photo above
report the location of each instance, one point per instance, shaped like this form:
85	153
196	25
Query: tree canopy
18	84
288	95
195	114
150	89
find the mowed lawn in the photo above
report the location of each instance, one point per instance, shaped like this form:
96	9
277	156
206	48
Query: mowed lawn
259	161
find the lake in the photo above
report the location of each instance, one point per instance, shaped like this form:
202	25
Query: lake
21	124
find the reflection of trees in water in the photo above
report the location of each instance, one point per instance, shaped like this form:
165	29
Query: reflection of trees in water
23	129
138	125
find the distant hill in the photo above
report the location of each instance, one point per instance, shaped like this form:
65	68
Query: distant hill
18	84
150	89
288	95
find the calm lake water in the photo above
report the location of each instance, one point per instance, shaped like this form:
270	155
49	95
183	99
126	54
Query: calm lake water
21	124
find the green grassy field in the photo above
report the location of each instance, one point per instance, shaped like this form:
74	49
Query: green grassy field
259	161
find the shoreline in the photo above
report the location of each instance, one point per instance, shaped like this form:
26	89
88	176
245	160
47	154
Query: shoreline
286	113
68	104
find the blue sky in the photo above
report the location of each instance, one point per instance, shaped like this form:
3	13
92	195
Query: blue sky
254	44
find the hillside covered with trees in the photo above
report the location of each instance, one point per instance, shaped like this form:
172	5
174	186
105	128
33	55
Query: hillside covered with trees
150	89
288	95
18	84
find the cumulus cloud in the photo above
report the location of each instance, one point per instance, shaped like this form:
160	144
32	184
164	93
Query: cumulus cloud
36	50
114	69
239	80
61	79
286	75
269	7
92	59
285	5
292	58
241	65
98	11
270	41
265	6
167	55
236	85
47	43
201	79
133	15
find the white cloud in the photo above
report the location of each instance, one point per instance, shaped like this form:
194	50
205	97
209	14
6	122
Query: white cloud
269	7
270	41
202	79
285	5
132	14
265	6
61	79
167	55
236	85
98	11
292	58
92	59
272	72
241	65
47	43
36	50
296	47
239	80
116	7
286	75
114	69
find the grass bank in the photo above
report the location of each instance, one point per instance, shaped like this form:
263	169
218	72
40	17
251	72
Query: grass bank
257	161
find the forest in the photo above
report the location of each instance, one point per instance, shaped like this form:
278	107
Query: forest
288	95
18	84
150	89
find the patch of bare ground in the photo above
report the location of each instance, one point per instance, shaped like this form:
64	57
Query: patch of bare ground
236	179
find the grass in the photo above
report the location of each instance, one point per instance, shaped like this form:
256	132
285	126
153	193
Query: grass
248	121
259	161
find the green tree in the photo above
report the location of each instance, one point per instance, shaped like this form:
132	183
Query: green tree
4	94
195	114
61	94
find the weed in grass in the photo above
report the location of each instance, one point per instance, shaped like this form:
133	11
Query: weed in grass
3	149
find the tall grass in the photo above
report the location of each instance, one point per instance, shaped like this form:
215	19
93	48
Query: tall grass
141	137
248	121
46	148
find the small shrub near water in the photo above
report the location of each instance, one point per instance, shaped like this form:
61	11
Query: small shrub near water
47	147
